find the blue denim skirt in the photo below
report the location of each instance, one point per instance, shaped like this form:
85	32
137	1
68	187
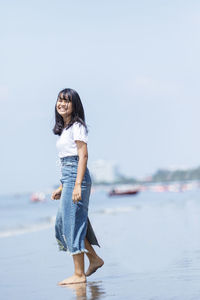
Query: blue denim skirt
72	224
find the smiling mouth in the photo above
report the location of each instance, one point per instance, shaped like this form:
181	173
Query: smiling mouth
62	109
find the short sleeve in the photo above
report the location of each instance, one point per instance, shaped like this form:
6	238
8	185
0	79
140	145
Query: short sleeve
79	132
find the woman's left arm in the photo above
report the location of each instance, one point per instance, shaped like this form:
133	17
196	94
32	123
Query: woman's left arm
82	165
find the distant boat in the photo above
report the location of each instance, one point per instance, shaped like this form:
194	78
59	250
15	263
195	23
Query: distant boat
38	197
116	192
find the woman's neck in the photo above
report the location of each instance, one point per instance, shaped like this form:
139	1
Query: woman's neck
66	121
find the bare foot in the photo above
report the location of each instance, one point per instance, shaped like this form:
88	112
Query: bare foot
94	265
73	279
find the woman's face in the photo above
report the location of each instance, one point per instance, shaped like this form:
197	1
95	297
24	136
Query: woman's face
64	107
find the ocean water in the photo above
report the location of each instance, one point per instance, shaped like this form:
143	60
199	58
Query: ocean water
18	214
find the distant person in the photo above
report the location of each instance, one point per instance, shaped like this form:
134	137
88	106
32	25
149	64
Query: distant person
73	230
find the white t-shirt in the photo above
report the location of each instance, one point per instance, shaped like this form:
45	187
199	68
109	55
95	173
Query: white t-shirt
66	145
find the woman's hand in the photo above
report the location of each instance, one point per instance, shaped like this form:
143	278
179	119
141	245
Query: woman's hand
56	194
76	195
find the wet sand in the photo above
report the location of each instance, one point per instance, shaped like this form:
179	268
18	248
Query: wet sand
151	251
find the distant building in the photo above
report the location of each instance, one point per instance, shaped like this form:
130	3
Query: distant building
104	171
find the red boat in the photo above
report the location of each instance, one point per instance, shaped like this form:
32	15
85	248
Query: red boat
115	192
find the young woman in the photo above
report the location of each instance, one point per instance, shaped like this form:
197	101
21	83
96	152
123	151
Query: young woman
73	230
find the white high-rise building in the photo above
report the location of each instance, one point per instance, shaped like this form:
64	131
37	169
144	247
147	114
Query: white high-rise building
104	171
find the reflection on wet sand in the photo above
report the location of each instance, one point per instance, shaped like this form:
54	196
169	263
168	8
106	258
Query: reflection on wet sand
87	291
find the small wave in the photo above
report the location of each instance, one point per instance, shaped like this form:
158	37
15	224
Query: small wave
50	221
117	210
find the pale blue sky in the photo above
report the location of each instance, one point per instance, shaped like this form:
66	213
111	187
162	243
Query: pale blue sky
136	66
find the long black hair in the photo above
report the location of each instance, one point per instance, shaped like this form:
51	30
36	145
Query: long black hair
78	114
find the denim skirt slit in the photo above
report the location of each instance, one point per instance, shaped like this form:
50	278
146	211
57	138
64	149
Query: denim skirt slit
72	224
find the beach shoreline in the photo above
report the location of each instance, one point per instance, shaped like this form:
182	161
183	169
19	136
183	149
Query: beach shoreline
151	250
